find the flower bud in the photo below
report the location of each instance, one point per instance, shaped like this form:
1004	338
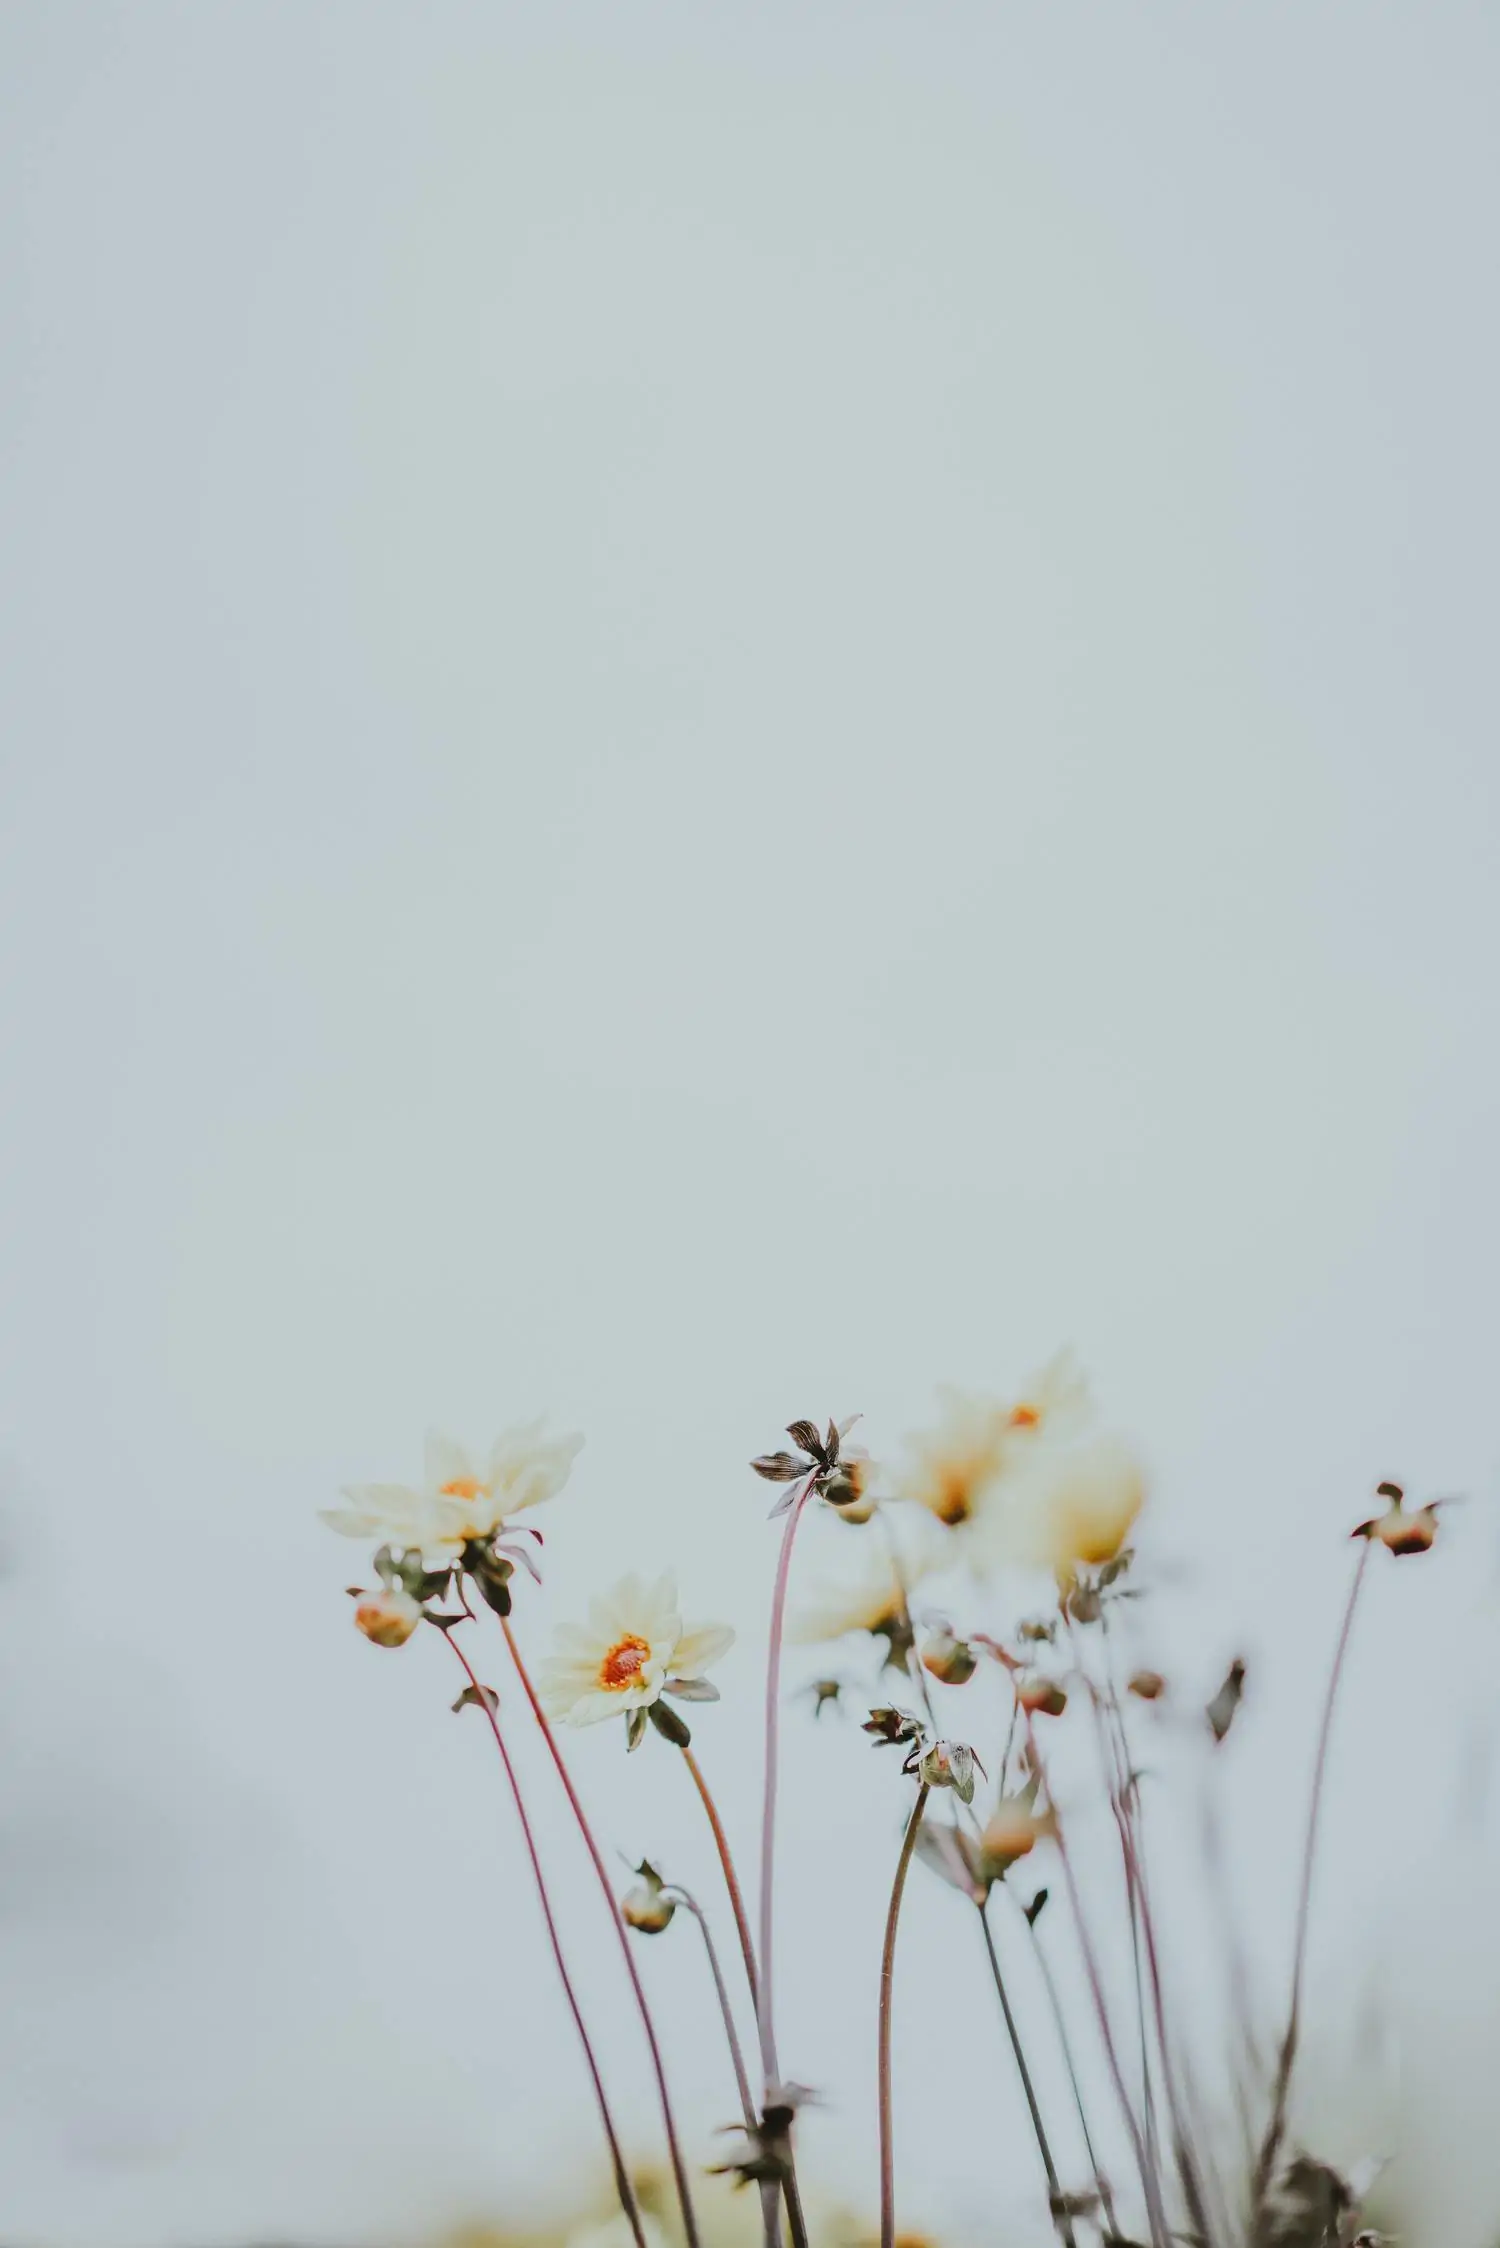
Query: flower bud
950	1660
388	1617
1041	1697
646	1906
1012	1831
1148	1685
949	1764
847	1490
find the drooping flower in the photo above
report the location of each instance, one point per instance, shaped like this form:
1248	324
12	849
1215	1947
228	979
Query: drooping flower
648	1904
1397	1530
387	1617
824	1467
461	1499
633	1649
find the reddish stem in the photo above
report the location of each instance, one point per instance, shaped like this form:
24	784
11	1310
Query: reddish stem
622	2176
679	2167
731	1880
769	2061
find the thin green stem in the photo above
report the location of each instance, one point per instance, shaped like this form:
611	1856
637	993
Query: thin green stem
1061	2214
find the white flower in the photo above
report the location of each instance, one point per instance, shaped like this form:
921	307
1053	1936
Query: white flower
634	1643
869	1599
959	1467
460	1497
1078	1507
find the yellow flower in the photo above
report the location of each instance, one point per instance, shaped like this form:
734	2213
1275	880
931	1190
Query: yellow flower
960	1467
461	1497
634	1646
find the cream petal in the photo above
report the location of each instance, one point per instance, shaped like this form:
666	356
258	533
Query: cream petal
699	1646
444	1461
348	1523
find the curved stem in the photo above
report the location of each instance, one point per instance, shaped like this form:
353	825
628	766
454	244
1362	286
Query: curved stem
1277	2125
769	2063
883	2065
731	2034
669	2121
731	1881
1060	2214
622	2176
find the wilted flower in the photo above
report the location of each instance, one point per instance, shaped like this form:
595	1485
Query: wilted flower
647	1906
634	1649
389	1616
1400	1532
461	1499
893	1728
946	1764
951	1661
824	1466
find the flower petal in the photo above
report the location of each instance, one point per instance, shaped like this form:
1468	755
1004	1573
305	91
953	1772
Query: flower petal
699	1646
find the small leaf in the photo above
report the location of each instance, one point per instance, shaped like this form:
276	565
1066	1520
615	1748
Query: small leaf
477	1697
1221	1710
779	1467
805	1433
1036	1908
496	1591
668	1724
693	1689
635	1728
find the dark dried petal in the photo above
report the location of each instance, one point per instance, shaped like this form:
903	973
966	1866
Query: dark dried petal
477	1697
1220	1711
831	1444
805	1433
779	1467
892	1726
1036	1908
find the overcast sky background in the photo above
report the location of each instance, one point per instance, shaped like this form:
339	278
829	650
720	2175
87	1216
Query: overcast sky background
707	714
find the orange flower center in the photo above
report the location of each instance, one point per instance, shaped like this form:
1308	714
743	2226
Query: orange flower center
462	1487
1025	1416
954	1496
624	1663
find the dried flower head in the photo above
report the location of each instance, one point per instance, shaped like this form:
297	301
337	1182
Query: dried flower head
823	1467
461	1499
946	1764
648	1906
1397	1530
893	1728
951	1661
634	1648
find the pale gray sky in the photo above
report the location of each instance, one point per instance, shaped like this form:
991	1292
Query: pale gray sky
707	713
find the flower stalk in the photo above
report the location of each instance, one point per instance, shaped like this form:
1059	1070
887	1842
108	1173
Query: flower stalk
883	2063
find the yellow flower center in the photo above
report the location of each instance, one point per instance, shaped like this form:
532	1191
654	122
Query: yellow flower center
622	1666
955	1500
463	1487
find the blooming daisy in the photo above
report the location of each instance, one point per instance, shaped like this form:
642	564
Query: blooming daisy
633	1649
461	1498
959	1467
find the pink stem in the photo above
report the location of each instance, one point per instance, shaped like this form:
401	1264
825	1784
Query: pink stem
768	2058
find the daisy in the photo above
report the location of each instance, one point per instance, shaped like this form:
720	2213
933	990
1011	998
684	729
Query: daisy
959	1469
461	1499
633	1649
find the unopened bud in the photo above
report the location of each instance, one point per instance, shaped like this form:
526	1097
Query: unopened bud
949	1764
950	1660
647	1907
1148	1685
1041	1697
388	1617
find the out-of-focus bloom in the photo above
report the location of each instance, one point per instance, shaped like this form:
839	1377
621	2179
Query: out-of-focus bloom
960	1467
461	1499
1040	1696
951	1661
647	1906
1013	1829
1085	1505
388	1617
871	1600
634	1648
1397	1530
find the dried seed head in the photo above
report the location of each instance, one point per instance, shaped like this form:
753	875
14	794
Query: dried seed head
1399	1532
848	1491
892	1728
948	1764
389	1617
950	1660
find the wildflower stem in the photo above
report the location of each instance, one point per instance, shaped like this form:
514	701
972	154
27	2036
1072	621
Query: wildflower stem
1060	2212
764	2011
731	1881
622	2176
1270	2145
669	2121
731	2034
887	1972
1049	1983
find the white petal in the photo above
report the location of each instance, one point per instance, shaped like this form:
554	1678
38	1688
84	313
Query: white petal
699	1646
